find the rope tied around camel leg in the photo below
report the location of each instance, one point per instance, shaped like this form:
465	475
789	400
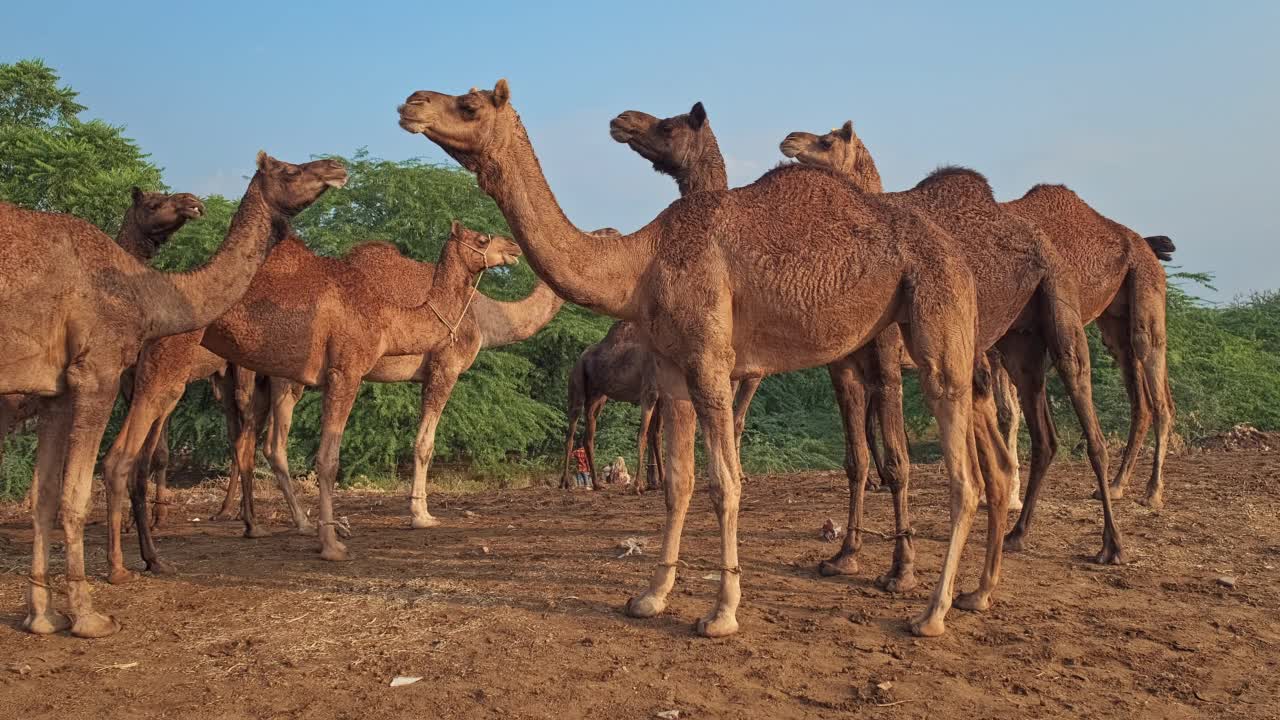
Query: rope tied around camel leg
908	533
342	525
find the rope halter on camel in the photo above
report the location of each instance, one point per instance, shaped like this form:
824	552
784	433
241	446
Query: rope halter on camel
453	329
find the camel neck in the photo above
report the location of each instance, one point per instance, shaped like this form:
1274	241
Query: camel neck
706	172
599	273
136	242
863	171
422	329
180	302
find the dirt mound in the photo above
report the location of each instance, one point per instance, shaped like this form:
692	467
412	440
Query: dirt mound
1243	437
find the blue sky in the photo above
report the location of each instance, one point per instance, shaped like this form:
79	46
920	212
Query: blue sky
1163	115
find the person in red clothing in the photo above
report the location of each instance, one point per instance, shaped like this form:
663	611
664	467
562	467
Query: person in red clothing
584	468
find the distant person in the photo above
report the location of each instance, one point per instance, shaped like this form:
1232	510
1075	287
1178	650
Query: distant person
617	472
583	478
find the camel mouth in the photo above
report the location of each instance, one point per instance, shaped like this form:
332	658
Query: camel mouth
410	120
193	212
337	182
791	146
629	126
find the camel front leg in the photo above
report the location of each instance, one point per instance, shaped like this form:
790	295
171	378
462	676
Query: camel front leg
589	442
1024	356
158	470
226	385
46	491
679	425
285	395
1070	350
437	386
647	410
1115	335
713	401
92	393
896	469
850	387
340	393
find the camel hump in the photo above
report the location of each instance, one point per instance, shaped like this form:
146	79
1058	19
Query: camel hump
959	182
1049	191
1162	246
372	249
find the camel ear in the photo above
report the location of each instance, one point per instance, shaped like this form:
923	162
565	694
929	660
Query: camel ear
265	161
846	131
136	193
697	116
501	93
455	228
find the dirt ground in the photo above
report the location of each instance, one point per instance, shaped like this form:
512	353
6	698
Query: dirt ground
533	627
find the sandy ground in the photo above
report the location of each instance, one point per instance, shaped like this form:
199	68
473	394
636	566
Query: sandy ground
532	627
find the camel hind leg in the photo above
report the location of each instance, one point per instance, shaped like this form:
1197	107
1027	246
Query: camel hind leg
1070	351
648	409
46	490
1114	328
252	405
942	345
1149	340
896	469
848	378
589	441
1024	356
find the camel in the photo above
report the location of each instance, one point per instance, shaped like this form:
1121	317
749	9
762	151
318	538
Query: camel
1028	305
149	222
619	367
1121	285
685	148
295	322
79	309
796	270
498	323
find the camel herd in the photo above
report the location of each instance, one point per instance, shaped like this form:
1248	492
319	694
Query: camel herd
812	264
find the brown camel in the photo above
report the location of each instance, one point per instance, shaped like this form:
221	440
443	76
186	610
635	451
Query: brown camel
1120	284
80	308
150	221
795	270
498	323
1028	305
296	322
685	148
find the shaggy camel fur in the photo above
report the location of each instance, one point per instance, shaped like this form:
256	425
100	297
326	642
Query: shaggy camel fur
1028	304
151	219
80	308
795	270
294	323
497	323
1120	284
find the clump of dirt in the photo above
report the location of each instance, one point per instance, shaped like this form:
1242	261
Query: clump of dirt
1243	437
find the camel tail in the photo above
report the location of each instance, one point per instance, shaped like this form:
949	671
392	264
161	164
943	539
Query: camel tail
1162	246
502	323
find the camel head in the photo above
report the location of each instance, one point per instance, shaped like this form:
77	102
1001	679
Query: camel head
479	251
837	149
463	125
159	215
671	144
289	188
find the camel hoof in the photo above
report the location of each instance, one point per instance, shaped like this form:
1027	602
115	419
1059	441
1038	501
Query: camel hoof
305	528
928	626
976	601
335	554
256	531
224	516
1015	506
1117	492
1013	542
422	523
121	576
94	625
1111	556
840	564
718	625
1155	502
900	583
46	624
161	567
645	606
